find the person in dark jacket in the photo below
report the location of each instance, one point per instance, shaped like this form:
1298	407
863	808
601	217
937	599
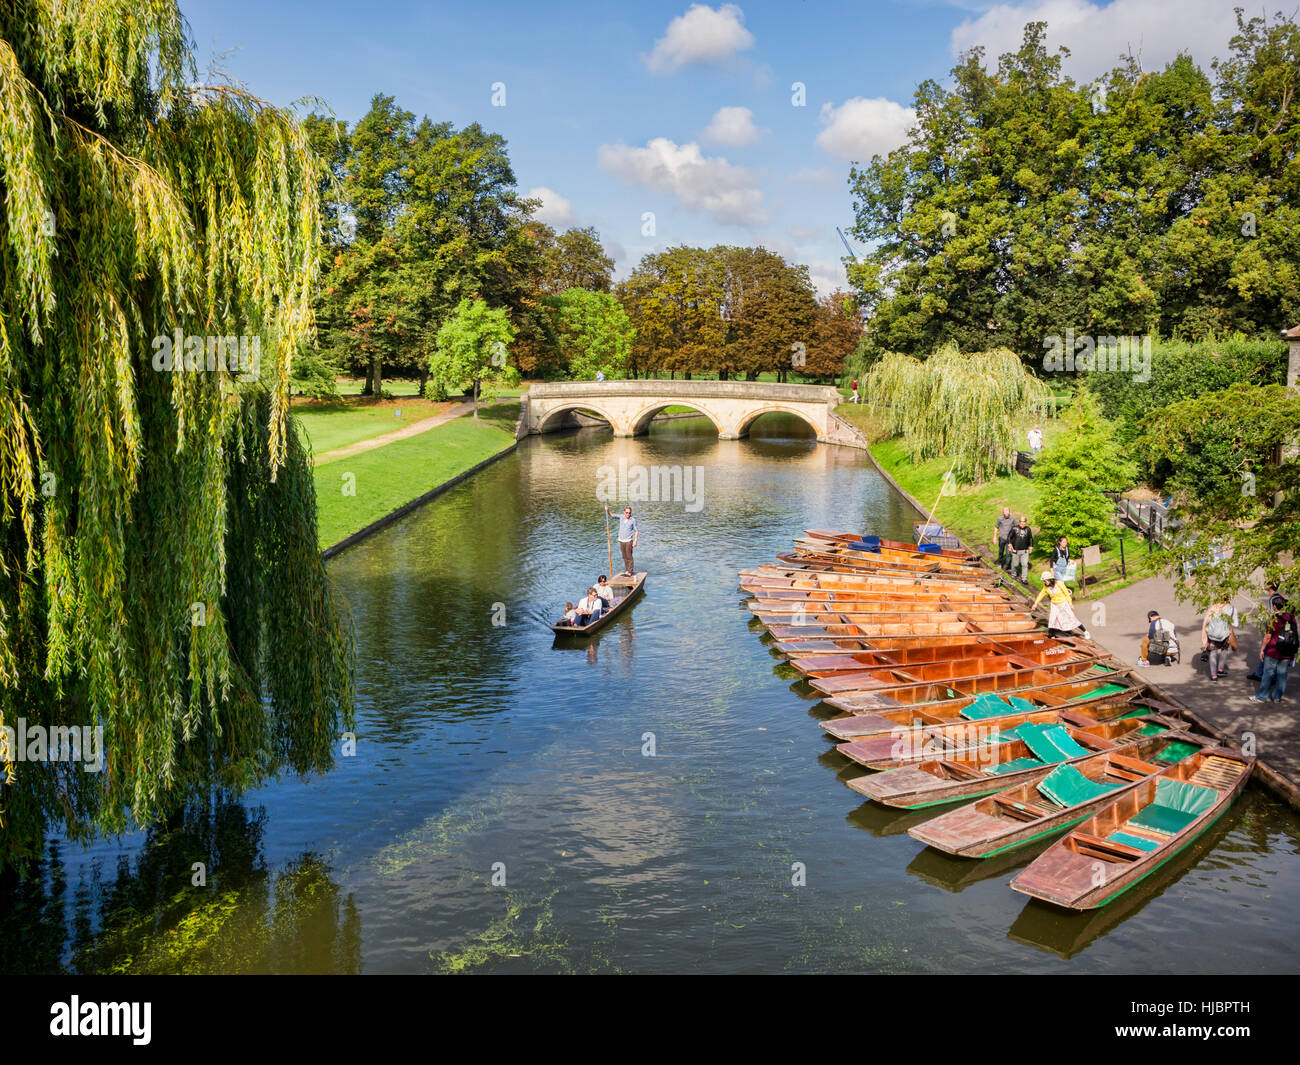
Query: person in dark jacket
1281	642
1019	540
1001	530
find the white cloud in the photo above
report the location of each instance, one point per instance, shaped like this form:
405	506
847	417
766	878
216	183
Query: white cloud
702	35
1096	35
860	128
732	126
555	210
713	186
805	234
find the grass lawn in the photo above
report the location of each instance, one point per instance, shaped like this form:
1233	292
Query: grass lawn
389	477
972	510
333	425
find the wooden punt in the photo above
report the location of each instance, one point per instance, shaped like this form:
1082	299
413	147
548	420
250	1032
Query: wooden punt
818	617
757	580
804	554
829	646
788	563
905	745
852	549
916	625
1032	812
867	606
881	595
897	545
938	692
995	767
1097	700
989	663
928	652
1133	837
635	586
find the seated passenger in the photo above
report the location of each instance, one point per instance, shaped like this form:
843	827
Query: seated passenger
605	591
589	608
570	614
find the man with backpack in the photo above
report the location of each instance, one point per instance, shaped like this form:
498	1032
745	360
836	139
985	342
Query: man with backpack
1279	649
1161	644
1019	542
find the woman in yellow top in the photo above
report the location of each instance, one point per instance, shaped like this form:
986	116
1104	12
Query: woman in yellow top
1062	619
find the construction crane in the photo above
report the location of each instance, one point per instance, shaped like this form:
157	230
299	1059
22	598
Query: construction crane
846	245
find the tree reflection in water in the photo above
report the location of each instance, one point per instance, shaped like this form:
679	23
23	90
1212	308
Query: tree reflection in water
150	916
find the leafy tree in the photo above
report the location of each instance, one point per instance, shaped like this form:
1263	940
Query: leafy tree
836	332
1084	461
577	259
1234	473
159	571
968	407
472	348
595	334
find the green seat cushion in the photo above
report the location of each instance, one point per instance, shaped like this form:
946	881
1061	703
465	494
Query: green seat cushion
1022	705
1107	689
1066	786
1151	730
1176	751
1134	841
1159	818
1050	743
1017	764
986	705
1194	799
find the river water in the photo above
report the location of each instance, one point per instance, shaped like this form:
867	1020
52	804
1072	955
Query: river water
504	813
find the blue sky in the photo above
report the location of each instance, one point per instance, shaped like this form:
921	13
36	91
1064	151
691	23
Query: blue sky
683	110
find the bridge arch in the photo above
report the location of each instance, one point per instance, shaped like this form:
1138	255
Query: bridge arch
641	420
775	408
551	420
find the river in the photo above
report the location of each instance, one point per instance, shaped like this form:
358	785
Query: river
660	801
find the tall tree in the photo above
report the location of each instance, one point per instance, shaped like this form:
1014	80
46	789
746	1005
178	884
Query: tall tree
159	572
473	346
595	334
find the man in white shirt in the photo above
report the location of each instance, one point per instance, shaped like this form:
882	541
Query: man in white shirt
589	608
1035	440
1161	644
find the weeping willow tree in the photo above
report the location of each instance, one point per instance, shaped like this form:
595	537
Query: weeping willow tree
159	575
968	408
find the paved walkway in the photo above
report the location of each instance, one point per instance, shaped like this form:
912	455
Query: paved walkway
1223	704
414	429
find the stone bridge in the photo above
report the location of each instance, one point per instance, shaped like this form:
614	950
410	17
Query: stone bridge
732	406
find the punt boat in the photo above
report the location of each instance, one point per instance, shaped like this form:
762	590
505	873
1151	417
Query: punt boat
633	587
1134	836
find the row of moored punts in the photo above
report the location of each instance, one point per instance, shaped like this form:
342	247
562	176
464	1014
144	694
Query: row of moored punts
953	693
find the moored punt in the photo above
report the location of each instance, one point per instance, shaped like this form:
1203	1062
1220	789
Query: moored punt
786	575
897	545
804	554
843	573
762	605
1016	683
1067	795
953	671
916	625
634	588
830	646
995	767
980	738
1142	830
883	595
819	616
813	545
924	652
1101	702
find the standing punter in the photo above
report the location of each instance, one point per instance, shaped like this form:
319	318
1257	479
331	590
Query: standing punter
627	536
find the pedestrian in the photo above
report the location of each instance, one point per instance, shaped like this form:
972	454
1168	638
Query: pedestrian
627	536
600	376
1270	590
1160	644
1019	541
855	398
1001	530
1062	620
1217	638
1059	559
1035	440
1281	643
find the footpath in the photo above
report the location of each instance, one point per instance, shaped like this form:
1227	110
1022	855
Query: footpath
414	429
1224	705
